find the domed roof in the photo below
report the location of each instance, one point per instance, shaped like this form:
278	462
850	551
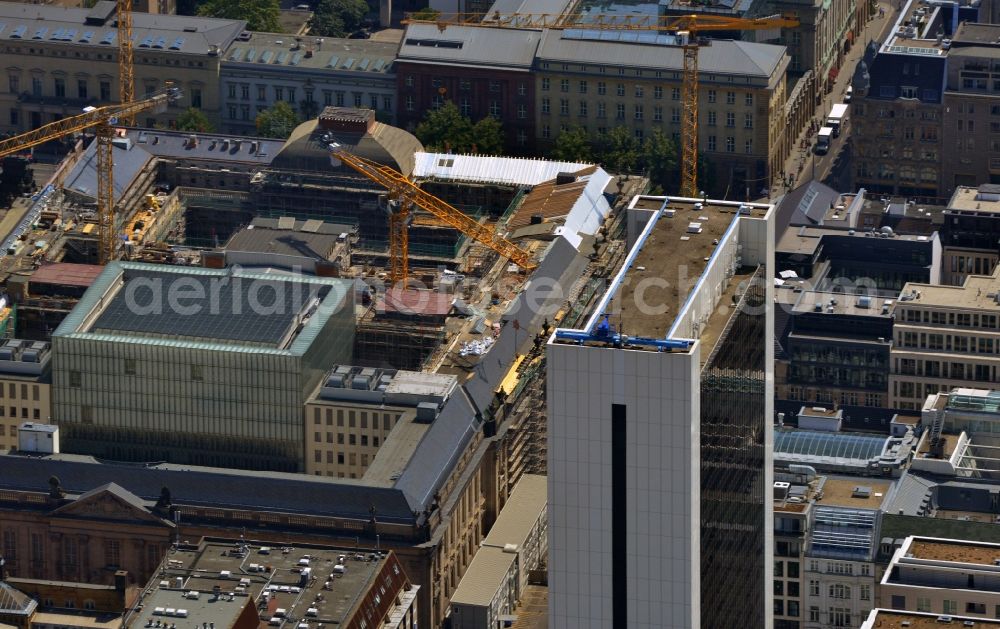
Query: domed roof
355	130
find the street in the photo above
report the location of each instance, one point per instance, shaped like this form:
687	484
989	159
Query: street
834	168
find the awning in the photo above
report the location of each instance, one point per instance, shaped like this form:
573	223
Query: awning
833	73
850	36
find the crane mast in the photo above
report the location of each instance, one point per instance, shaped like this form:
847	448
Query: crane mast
126	79
102	120
408	195
686	27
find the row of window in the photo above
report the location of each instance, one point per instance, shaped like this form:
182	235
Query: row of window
12	412
951	319
846	398
838	567
13	388
792	569
464	106
354	419
948	607
351	458
886	112
351	439
885	151
638	112
288	93
887	171
60	89
786	608
639	91
947	342
465	85
69	555
836	617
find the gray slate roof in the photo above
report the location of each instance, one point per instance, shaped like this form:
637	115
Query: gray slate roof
119	491
175	144
128	163
805	205
164	33
912	493
722	57
206	487
470	45
276	52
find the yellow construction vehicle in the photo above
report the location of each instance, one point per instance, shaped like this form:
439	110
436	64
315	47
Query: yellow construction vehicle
685	27
407	195
103	121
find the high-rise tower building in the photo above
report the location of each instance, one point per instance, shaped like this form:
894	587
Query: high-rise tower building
659	428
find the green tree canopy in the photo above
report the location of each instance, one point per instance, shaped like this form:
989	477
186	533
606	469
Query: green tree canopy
260	15
278	121
426	13
487	137
619	150
573	145
193	119
446	129
659	160
309	109
338	18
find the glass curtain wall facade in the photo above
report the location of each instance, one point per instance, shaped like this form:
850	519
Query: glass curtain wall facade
235	405
734	518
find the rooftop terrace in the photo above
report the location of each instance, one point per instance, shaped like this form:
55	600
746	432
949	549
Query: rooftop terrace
985	198
677	250
860	493
954	551
841	304
675	241
310	585
979	292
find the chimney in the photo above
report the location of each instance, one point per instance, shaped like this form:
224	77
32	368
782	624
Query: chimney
121	581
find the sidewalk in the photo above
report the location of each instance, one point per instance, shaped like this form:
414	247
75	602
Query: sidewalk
798	162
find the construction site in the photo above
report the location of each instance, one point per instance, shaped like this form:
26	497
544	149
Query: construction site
433	292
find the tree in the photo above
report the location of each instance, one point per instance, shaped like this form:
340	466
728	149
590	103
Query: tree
620	150
193	119
277	122
309	109
260	15
706	173
572	145
487	137
659	160
444	129
338	18
426	13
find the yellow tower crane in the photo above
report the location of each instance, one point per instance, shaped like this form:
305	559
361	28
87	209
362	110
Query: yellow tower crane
103	120
126	80
407	195
685	27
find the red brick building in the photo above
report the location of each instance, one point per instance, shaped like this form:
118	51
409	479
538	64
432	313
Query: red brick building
485	72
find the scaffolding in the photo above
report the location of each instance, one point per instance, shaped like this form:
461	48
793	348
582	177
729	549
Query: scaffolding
395	344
